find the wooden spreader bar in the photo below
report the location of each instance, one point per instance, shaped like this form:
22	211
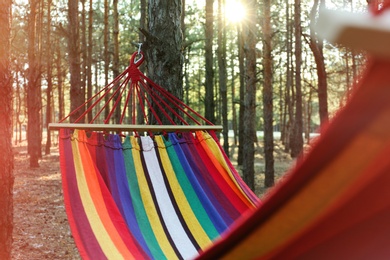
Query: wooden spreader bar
137	128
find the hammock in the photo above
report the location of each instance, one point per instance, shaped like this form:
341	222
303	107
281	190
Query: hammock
165	195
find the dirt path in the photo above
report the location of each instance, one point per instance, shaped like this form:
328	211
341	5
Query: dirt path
41	229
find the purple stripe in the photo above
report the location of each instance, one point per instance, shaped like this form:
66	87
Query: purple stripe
84	231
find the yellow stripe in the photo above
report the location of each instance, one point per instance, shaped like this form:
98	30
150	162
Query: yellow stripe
105	242
211	145
147	201
192	222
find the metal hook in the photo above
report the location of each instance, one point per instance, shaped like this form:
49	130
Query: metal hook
139	53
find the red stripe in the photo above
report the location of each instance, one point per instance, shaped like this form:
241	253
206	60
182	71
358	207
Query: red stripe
81	230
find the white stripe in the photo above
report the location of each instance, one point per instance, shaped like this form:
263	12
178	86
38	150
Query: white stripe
174	226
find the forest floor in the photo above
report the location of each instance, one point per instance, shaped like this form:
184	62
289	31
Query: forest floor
41	229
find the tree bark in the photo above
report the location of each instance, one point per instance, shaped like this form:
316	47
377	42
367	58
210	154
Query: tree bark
163	47
241	65
115	64
209	80
289	102
297	138
316	45
89	58
249	131
268	97
76	91
49	78
33	90
106	55
223	75
6	156
60	78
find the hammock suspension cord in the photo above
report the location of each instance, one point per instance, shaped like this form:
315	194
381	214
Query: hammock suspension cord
138	92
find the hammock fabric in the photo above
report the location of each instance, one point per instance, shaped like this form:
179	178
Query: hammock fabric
335	204
164	196
161	197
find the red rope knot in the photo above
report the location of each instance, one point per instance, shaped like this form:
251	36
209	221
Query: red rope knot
135	61
134	73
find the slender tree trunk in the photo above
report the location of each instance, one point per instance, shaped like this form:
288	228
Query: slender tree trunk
49	78
115	64
268	97
6	155
60	87
223	75
83	48
289	83
76	91
209	86
297	138
164	45
233	100
316	45
106	55
33	90
241	65
89	57
249	131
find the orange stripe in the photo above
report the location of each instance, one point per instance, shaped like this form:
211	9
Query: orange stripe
94	190
215	149
225	173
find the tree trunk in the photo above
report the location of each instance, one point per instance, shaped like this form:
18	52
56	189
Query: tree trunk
60	77
83	48
241	110
49	78
89	58
223	75
106	55
33	91
316	45
209	86
249	131
76	91
115	64
289	114
233	100
163	47
268	97
6	156
297	138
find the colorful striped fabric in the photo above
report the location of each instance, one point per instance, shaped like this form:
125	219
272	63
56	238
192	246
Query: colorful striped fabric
335	204
149	198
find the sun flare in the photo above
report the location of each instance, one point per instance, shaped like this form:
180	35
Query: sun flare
234	11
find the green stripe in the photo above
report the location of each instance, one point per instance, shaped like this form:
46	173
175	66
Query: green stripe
139	208
189	192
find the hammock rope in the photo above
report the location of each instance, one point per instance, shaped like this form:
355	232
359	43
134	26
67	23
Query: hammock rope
135	89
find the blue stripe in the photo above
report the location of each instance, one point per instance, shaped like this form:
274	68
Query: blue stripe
219	223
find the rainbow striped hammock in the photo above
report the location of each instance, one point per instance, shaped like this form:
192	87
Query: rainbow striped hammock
127	200
165	195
